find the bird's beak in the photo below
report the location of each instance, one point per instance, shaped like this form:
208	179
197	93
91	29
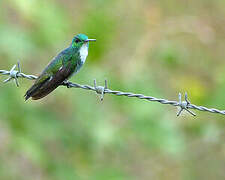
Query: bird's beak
90	40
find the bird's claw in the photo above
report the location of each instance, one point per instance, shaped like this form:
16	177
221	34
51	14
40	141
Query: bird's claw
66	83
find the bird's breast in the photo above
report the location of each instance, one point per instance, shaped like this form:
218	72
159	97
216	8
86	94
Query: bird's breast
83	53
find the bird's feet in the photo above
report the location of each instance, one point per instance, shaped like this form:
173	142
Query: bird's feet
66	83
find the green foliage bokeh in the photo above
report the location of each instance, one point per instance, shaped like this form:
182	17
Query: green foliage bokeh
156	48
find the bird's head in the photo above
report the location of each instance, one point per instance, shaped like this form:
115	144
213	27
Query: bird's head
80	39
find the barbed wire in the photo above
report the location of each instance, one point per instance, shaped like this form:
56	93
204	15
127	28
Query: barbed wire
183	105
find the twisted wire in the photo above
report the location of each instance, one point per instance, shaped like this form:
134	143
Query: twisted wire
183	105
19	75
149	98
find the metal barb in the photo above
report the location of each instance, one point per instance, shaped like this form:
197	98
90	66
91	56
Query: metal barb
184	105
19	67
13	74
100	89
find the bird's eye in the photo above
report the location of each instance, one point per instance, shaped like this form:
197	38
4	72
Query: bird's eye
77	40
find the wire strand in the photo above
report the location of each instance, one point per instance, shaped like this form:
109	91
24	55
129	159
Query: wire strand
183	105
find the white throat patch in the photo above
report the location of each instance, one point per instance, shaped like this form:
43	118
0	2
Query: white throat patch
83	52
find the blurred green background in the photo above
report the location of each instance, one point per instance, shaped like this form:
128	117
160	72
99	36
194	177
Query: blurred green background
156	48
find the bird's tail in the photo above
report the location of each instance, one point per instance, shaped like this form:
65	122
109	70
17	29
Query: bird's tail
30	92
34	90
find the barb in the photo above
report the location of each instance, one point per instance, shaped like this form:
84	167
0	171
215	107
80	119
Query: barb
14	74
183	105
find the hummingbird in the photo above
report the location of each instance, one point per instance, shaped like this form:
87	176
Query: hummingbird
67	63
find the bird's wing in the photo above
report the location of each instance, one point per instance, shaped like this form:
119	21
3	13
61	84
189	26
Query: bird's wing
58	70
55	80
57	62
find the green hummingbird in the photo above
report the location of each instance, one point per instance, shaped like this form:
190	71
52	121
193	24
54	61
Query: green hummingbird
67	63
